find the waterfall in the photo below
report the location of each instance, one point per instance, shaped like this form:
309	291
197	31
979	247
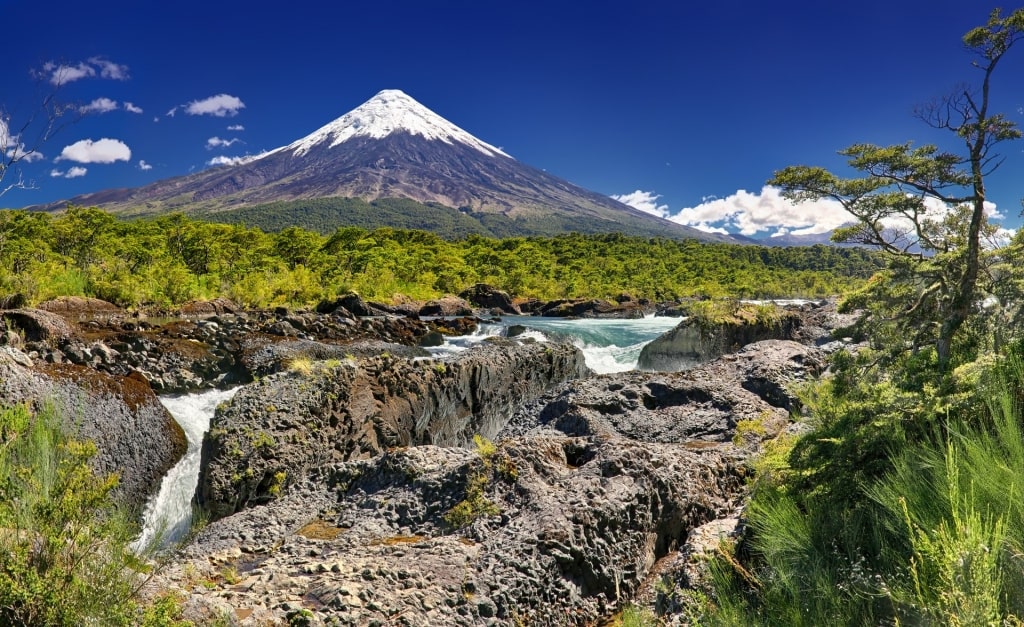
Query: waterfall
168	515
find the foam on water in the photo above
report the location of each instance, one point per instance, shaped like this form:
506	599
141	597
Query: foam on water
608	345
168	515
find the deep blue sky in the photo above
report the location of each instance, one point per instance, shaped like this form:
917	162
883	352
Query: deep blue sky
683	100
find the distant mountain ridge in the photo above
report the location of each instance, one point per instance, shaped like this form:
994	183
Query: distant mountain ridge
393	147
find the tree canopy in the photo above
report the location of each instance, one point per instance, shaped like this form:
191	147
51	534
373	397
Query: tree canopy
924	207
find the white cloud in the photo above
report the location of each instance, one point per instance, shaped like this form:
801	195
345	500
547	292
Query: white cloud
62	74
131	108
221	105
144	166
72	173
217	142
100	105
768	212
100	151
109	69
751	214
222	160
644	201
236	127
12	147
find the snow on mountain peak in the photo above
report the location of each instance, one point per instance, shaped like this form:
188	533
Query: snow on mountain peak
390	111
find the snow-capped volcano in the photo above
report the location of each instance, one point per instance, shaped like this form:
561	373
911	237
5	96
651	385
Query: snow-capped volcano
390	111
392	147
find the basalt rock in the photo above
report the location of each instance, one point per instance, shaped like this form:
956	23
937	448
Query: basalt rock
134	434
596	490
562	531
80	306
447	306
454	326
593	308
488	297
698	339
353	304
37	325
705	404
277	430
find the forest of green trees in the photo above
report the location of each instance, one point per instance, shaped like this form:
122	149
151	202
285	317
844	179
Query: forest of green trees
172	259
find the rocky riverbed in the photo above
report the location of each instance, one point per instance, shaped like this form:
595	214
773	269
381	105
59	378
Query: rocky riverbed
356	481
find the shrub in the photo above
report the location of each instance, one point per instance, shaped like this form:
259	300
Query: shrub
64	547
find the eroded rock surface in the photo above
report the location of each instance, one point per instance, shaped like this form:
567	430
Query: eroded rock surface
134	434
277	430
574	530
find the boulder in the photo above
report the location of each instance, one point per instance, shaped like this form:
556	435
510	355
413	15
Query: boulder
593	308
699	339
352	303
216	307
134	434
487	297
455	326
446	306
75	306
37	325
280	428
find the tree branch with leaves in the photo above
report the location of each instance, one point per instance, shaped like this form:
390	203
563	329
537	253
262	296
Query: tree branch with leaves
923	207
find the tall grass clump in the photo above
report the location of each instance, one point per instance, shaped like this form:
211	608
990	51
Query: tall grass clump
65	557
874	522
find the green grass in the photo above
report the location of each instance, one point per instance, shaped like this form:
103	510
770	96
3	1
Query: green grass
932	536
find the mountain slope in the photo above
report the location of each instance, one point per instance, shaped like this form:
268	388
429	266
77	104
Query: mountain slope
394	147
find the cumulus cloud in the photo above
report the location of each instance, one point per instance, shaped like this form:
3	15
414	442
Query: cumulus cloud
100	151
144	166
766	211
217	142
644	201
62	73
100	105
72	173
236	127
221	105
131	108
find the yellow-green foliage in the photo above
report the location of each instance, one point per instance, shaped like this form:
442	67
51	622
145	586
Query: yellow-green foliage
720	312
491	462
171	259
753	428
64	547
278	483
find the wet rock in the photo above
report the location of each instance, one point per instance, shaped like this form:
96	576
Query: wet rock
447	306
593	308
697	340
488	297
